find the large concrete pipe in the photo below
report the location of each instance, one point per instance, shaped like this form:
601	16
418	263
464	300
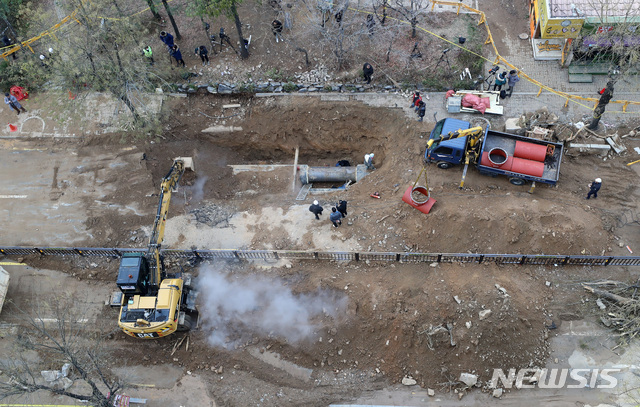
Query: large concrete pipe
309	175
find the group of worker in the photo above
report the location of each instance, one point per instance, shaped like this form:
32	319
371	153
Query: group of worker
338	212
174	51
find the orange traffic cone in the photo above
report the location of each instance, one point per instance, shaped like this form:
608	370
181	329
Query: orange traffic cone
12	128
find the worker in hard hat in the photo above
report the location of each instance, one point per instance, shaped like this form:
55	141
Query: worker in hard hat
316	209
594	187
368	161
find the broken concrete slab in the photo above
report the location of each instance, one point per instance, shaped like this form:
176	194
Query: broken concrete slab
614	142
468	379
511	125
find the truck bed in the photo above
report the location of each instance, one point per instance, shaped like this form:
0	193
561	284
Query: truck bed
507	142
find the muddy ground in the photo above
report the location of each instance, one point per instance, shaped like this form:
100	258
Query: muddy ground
375	330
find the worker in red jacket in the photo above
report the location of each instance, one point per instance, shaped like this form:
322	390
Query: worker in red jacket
416	100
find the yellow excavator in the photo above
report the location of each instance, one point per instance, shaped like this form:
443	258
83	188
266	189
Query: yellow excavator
153	303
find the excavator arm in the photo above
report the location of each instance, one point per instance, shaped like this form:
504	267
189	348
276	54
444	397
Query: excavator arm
168	185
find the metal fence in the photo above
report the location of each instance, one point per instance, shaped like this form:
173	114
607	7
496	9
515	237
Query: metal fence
406	257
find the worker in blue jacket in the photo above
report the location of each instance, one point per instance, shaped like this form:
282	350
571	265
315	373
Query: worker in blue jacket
175	52
167	39
594	187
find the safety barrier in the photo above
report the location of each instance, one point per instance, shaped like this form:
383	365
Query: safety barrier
402	257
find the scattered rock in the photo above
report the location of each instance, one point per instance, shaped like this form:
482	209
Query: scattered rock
469	379
408	381
431	392
523	36
497	393
224	89
468	324
502	290
484	314
601	304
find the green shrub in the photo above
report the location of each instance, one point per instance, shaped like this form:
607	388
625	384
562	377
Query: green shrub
289	87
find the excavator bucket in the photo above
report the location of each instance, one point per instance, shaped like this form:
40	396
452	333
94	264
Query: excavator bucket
188	163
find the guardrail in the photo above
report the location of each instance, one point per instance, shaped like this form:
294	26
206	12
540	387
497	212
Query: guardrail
404	257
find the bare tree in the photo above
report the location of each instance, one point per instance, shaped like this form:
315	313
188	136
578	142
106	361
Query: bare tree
410	10
173	21
102	54
609	39
215	8
153	9
66	341
334	26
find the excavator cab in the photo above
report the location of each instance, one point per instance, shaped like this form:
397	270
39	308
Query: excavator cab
133	274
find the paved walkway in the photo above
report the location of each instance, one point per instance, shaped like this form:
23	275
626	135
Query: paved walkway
550	73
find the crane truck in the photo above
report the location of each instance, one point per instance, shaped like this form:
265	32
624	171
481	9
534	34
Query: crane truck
453	142
154	303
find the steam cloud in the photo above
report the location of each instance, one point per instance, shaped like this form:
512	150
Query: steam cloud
255	305
196	190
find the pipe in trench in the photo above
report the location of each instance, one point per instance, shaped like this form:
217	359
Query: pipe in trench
309	175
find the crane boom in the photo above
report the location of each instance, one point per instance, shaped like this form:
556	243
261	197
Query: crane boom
475	132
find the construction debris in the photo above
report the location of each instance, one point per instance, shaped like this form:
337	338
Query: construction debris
618	306
615	143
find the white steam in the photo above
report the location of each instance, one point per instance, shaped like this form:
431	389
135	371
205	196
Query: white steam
236	309
194	192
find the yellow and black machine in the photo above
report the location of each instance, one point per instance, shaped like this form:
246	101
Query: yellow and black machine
153	303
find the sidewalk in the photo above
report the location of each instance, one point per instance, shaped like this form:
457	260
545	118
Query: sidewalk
54	114
551	74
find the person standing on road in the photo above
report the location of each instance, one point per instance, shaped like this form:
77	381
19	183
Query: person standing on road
367	71
511	81
12	101
203	53
368	161
416	100
422	109
335	217
175	53
500	81
167	39
341	206
316	209
594	187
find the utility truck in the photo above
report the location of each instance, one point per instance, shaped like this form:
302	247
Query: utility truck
522	159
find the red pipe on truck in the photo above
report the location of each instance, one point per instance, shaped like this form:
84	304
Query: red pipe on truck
530	151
